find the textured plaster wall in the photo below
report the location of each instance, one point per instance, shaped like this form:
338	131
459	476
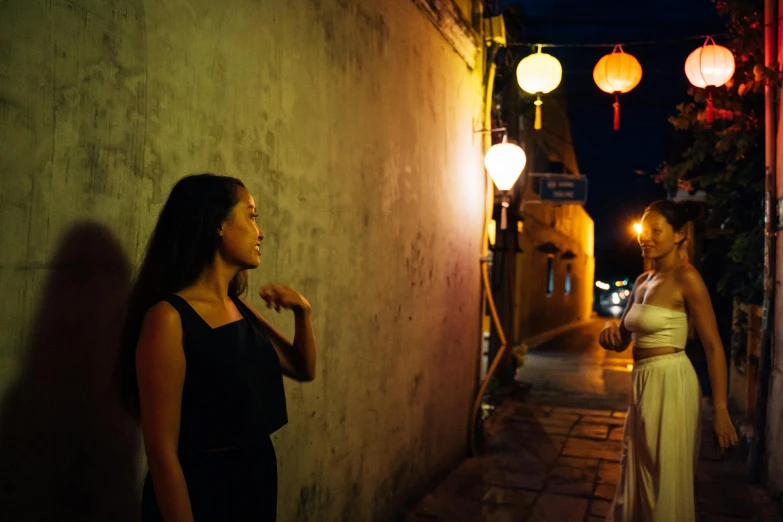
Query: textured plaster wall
352	124
568	227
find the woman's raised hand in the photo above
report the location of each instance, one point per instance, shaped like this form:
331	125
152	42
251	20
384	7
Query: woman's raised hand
611	338
282	296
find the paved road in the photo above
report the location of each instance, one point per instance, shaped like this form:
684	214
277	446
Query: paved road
574	370
551	451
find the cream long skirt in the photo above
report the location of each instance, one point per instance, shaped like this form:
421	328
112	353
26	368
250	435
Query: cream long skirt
660	443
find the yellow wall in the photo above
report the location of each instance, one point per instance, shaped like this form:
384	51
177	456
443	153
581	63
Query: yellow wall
568	227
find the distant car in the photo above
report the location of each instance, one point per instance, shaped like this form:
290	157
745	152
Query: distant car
611	298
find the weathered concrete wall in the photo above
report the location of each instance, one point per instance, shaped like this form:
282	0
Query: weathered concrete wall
352	124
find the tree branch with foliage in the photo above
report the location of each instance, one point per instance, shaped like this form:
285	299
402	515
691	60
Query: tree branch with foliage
726	158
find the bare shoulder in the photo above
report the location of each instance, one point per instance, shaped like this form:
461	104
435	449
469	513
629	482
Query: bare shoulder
162	316
687	274
161	332
690	281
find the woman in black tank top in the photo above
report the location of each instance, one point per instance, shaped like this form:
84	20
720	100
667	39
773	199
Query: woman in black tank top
200	368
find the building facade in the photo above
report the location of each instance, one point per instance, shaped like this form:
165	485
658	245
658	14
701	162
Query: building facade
543	263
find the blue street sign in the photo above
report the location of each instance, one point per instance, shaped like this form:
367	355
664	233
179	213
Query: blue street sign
563	188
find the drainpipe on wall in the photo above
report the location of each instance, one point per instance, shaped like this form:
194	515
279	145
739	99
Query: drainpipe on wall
487	298
757	443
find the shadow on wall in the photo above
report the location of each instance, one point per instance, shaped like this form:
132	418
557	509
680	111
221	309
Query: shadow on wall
68	451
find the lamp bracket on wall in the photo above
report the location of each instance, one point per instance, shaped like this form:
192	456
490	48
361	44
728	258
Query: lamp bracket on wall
485	131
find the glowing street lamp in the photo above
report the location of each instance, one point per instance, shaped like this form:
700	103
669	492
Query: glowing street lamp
505	163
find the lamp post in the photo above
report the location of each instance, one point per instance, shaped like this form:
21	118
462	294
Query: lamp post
504	163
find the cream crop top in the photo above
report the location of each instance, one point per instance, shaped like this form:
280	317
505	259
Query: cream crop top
656	327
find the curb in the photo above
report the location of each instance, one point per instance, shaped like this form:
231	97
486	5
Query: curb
539	339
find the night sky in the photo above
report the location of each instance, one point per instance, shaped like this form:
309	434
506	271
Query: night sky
619	165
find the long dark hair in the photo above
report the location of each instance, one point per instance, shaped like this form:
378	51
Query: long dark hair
181	246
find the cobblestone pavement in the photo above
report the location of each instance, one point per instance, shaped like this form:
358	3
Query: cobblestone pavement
551	450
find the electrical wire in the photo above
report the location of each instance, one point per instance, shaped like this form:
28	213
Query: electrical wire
535	45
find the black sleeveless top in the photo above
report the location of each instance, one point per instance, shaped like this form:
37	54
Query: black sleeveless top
233	392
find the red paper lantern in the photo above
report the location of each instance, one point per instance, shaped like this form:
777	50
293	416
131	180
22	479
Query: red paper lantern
617	73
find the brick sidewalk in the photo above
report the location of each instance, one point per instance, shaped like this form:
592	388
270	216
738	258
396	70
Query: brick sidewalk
546	461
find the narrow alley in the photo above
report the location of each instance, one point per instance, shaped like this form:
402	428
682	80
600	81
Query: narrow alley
342	260
552	447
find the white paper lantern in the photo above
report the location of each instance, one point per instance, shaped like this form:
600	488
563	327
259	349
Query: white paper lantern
505	162
538	74
710	65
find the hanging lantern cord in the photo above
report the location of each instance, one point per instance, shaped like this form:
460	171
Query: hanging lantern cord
616	106
710	110
537	103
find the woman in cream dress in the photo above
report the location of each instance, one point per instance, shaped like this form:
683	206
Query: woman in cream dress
661	438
